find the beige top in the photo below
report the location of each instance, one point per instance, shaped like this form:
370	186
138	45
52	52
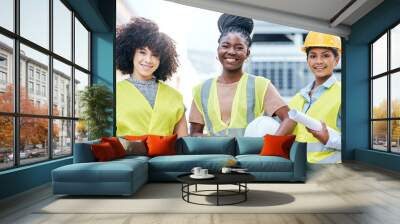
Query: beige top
226	92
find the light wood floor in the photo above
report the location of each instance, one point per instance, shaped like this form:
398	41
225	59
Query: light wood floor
377	188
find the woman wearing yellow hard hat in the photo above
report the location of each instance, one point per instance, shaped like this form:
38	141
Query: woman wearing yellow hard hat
321	99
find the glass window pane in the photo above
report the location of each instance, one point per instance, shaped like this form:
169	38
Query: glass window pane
395	136
62	141
7	14
34	96
379	55
6	142
81	81
379	135
62	29
395	47
35	21
62	89
6	74
379	97
81	45
395	94
33	140
81	131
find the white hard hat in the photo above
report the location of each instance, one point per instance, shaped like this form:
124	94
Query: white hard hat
261	126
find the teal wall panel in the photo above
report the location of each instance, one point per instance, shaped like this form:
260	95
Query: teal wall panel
356	85
380	159
103	58
103	71
24	178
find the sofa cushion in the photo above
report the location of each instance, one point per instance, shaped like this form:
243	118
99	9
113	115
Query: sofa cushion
130	158
134	147
249	145
206	145
116	145
277	145
112	171
185	163
161	145
103	151
257	163
83	152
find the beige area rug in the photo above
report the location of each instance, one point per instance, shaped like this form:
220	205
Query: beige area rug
166	198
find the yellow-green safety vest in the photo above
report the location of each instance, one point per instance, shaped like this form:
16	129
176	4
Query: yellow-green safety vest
135	116
248	104
326	109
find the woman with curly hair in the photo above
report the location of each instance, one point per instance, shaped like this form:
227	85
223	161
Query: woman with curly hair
225	105
145	105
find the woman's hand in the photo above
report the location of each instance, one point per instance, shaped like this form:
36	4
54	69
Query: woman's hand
322	136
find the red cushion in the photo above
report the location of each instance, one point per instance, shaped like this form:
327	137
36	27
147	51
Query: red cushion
103	151
275	145
161	145
116	145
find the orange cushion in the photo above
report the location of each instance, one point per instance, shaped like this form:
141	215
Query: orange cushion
161	145
275	145
103	151
116	145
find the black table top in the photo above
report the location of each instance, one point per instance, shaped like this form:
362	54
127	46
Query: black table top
220	178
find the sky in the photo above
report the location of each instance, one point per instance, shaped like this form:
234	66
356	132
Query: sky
192	27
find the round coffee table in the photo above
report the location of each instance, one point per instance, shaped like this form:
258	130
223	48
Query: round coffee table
238	179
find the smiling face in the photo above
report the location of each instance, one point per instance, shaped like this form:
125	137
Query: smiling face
232	51
321	61
145	63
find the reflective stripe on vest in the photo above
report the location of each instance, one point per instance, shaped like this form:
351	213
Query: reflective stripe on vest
253	107
205	93
135	116
317	153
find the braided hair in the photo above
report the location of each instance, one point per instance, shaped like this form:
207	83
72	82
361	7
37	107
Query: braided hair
235	24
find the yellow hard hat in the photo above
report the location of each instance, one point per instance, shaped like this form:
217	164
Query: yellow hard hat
315	39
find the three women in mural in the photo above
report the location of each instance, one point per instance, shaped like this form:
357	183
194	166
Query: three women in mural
226	104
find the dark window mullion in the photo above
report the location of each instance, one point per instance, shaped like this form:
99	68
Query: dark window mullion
389	101
73	82
16	83
50	87
370	98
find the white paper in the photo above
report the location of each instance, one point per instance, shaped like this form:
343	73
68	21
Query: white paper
309	122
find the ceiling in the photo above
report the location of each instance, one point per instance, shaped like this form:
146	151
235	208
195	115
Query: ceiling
328	16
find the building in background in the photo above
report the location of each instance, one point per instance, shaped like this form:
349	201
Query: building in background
34	80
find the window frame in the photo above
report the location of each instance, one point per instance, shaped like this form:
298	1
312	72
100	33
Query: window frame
388	74
16	115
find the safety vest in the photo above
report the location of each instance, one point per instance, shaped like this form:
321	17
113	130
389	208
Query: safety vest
135	116
248	103
325	109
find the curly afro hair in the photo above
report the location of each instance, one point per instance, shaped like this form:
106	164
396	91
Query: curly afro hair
141	33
